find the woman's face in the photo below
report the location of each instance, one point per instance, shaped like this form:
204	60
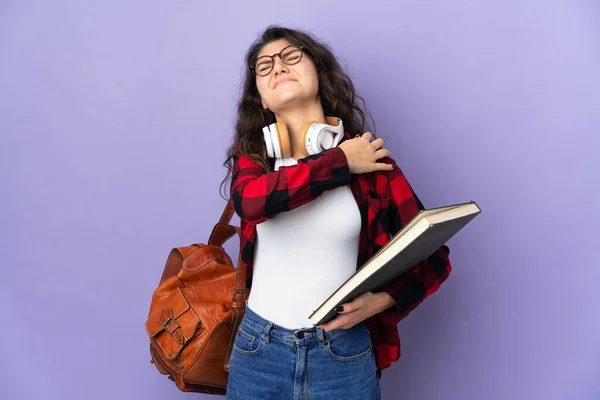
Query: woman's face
287	86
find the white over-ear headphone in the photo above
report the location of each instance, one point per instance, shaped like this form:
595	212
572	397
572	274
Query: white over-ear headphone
313	138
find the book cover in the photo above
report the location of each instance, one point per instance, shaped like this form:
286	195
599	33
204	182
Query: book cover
415	242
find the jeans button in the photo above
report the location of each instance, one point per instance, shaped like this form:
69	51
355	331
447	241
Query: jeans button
302	335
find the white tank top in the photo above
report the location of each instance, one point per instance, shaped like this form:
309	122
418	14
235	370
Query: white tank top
301	256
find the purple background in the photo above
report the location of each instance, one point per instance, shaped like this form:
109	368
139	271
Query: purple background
114	120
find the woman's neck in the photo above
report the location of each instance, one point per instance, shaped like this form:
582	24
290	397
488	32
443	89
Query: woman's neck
295	118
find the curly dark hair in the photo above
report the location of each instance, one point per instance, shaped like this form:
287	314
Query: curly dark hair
336	90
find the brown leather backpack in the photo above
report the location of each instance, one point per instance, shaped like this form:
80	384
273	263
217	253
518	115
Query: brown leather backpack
196	311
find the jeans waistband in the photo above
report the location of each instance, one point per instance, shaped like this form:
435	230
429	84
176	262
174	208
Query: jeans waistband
268	329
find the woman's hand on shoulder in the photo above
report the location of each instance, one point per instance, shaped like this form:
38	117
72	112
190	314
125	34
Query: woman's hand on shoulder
363	154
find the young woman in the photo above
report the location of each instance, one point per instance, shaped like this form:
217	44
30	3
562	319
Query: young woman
317	198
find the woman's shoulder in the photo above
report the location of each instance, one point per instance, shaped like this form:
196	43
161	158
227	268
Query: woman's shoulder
380	181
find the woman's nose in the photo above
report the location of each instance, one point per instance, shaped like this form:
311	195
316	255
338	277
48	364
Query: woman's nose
278	66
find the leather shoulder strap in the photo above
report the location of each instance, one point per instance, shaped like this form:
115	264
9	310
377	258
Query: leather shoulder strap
227	212
222	232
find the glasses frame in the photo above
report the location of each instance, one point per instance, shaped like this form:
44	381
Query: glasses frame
272	57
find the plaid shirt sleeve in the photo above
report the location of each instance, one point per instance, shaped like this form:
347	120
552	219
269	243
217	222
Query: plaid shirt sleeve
412	288
258	195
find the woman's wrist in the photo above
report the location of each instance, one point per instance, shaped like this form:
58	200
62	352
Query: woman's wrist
385	301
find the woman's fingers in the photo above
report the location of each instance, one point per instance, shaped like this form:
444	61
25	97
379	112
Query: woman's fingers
362	154
382	153
367	135
384	167
377	143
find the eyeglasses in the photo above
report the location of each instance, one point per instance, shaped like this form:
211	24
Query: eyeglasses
289	55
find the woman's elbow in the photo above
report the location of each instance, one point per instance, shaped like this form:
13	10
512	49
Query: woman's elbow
246	211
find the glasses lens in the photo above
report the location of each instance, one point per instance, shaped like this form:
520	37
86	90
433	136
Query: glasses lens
291	56
263	66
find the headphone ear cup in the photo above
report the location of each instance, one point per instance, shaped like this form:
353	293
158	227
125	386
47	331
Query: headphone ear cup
269	140
283	146
304	129
336	128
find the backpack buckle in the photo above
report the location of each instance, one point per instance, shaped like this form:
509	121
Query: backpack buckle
173	325
238	299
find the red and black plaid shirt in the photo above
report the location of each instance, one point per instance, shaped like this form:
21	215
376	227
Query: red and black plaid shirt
386	202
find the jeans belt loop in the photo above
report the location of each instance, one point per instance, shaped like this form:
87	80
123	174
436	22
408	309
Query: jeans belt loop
266	332
321	336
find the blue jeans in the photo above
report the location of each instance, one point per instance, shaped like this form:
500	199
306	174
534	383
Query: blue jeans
271	362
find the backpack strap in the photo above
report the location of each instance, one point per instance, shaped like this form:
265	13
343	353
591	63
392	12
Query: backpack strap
222	230
221	233
227	213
